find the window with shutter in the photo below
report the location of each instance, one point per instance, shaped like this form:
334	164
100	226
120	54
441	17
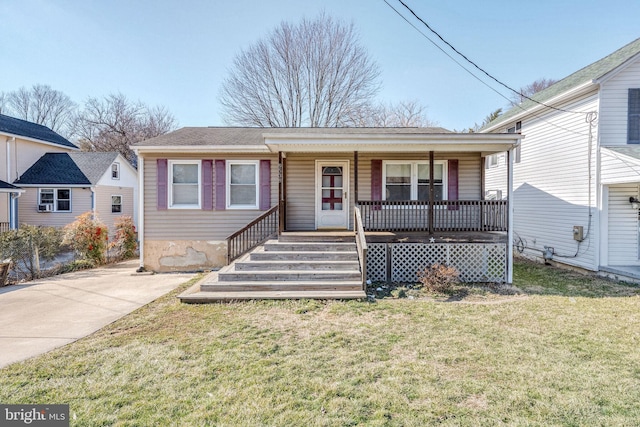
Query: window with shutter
633	132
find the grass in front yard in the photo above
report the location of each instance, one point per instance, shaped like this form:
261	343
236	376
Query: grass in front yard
565	354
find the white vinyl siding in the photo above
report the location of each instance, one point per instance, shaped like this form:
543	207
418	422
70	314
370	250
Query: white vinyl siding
623	226
612	119
551	185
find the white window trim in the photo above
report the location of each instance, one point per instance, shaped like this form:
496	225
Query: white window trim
121	200
117	170
55	198
170	164
229	163
414	176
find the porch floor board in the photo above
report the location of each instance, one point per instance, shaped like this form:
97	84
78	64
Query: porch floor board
395	236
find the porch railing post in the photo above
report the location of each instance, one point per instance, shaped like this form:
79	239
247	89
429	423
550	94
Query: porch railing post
432	191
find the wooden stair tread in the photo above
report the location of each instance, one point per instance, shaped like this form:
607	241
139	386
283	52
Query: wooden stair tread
204	297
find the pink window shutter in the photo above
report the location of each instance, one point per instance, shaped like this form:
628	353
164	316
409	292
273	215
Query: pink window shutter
376	179
452	178
265	184
207	185
221	194
162	184
376	182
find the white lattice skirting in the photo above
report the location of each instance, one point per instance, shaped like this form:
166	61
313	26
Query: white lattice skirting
400	262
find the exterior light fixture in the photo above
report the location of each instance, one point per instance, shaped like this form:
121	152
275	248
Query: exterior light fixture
635	203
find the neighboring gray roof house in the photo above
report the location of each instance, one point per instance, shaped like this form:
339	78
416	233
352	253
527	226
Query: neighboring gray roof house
68	169
22	128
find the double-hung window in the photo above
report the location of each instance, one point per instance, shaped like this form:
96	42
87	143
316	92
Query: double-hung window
116	204
115	170
184	184
58	198
405	180
242	184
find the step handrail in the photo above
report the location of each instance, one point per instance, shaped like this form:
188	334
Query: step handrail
253	234
361	246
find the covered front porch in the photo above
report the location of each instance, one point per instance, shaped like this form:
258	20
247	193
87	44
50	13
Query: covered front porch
409	200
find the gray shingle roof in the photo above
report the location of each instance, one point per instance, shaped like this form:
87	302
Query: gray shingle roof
20	127
68	169
93	165
587	74
190	136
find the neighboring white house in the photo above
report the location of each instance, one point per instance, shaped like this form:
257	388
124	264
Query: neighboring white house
60	186
576	175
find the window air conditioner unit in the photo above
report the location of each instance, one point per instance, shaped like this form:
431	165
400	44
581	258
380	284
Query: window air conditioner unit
46	207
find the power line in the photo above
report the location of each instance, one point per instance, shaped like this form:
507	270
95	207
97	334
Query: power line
476	65
445	52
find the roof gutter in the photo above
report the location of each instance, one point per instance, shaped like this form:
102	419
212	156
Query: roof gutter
40	141
138	150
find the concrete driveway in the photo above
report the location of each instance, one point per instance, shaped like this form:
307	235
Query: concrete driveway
44	314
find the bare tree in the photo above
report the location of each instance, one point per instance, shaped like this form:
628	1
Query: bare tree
312	74
114	123
402	114
43	105
488	119
3	103
531	89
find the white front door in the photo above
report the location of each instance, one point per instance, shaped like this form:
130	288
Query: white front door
332	184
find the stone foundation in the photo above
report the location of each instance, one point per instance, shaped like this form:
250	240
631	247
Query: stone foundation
184	255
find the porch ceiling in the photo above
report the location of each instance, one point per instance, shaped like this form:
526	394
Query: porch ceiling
314	143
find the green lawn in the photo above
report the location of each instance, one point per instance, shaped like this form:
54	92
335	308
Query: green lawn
564	352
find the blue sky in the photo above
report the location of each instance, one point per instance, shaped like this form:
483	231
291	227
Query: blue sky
176	53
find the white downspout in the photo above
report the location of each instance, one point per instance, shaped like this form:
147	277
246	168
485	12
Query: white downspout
510	217
13	223
94	202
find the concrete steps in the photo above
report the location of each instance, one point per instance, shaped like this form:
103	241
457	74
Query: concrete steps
311	265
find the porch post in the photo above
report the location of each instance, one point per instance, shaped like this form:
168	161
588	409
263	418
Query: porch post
356	199
510	216
282	192
432	191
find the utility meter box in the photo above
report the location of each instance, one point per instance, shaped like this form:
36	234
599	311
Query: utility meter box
578	233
